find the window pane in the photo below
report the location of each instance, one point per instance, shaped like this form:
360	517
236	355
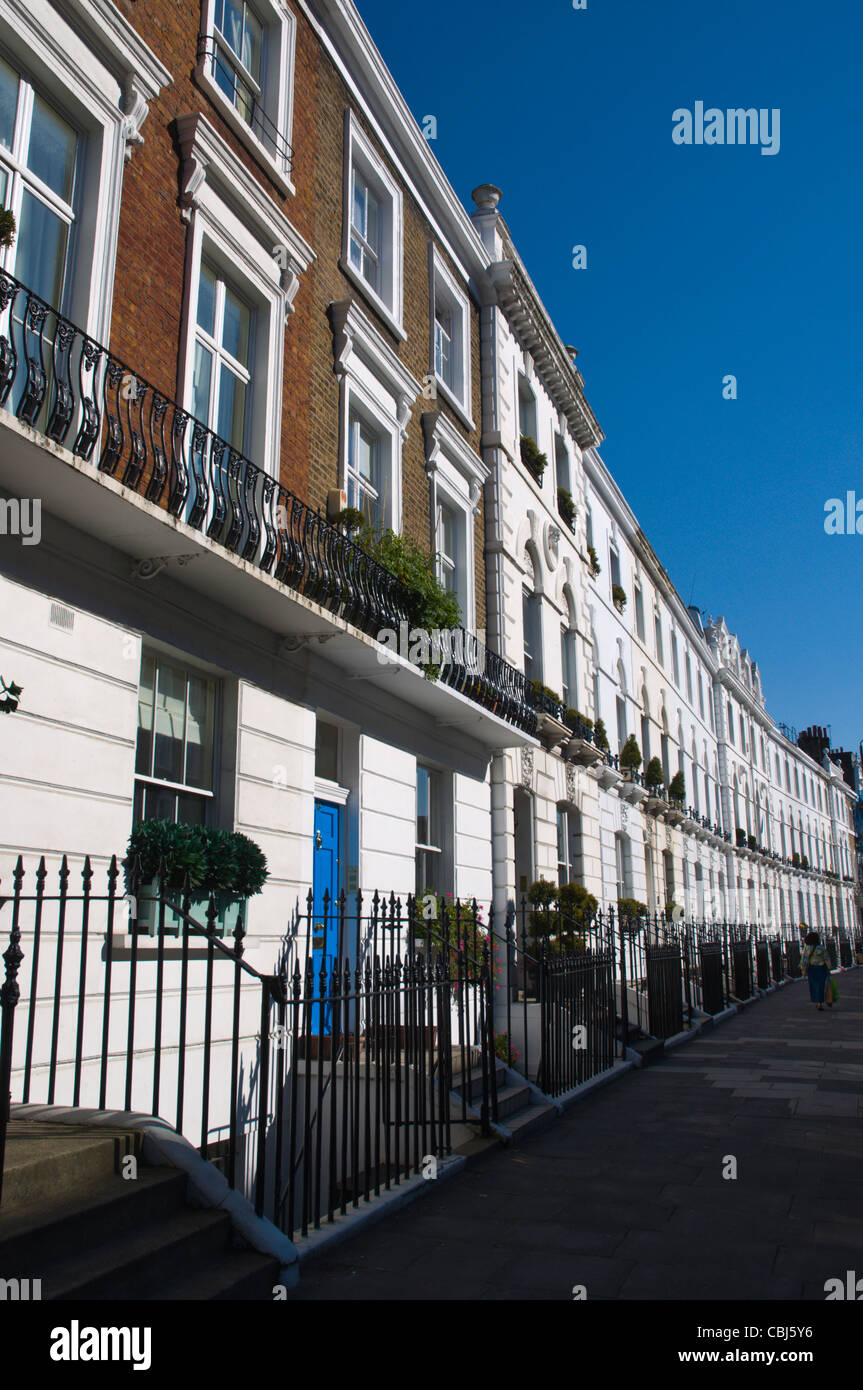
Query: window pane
3	182
41	249
144	747
229	19
423	806
327	752
232	408
170	724
235	330
373	220
199	733
225	76
53	143
358	214
8	103
252	46
201	383
207	300
191	810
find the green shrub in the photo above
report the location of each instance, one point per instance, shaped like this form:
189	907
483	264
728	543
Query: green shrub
601	736
630	907
216	861
557	911
7	227
618	593
566	506
677	789
534	461
630	754
654	776
574	717
545	690
595	566
350	519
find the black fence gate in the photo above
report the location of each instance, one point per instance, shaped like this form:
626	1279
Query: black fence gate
710	961
742	967
762	964
665	990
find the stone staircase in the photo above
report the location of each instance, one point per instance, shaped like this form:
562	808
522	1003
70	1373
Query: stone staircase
72	1221
519	1112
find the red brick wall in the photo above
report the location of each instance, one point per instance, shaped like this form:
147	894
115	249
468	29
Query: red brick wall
151	255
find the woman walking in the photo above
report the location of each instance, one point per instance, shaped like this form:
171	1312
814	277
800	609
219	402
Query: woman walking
816	968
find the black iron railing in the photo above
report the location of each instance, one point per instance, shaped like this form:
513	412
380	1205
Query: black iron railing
327	1081
70	388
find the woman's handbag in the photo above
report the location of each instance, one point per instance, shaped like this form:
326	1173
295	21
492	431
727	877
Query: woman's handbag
832	992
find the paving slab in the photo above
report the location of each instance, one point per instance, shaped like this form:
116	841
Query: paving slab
625	1193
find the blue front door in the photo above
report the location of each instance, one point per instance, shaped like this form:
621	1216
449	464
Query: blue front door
326	881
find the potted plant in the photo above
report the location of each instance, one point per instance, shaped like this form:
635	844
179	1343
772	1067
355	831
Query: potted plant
7	228
630	909
618	594
460	925
350	519
654	776
566	507
600	736
630	758
795	860
533	459
224	864
595	566
751	842
677	789
740	834
504	1050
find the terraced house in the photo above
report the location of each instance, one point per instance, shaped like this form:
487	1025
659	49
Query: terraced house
721	813
325	599
240	351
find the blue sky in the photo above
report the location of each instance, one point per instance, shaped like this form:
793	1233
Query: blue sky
703	261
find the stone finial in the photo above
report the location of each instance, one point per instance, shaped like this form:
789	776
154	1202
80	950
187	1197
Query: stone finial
487	197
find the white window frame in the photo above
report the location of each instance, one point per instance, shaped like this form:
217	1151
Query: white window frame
219	355
234	225
374	382
445	290
364	410
457	475
206	795
104	90
388	298
21	179
278	63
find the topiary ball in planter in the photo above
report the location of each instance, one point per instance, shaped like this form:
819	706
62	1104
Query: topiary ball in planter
164	858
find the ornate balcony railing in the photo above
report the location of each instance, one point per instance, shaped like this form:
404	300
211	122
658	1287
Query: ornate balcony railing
68	387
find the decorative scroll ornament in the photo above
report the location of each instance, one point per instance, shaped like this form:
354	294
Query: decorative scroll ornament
527	768
570	782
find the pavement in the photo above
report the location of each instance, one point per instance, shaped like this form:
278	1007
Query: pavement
625	1196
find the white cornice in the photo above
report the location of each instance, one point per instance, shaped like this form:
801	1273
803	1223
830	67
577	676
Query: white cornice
207	158
535	331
